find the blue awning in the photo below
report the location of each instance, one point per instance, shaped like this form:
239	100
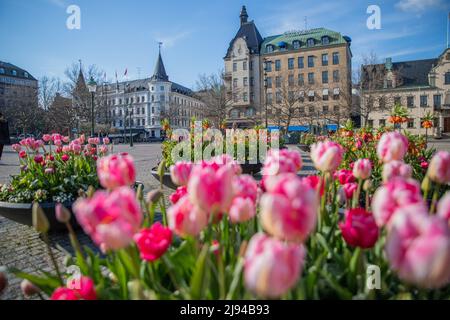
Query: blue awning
282	44
332	127
291	128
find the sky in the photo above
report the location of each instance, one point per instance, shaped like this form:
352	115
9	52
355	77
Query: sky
116	35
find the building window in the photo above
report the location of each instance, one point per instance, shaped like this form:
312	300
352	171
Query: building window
335	57
245	96
381	103
310	61
291	80
336	76
301	63
382	122
410	101
269	98
278	82
234	66
410	124
325	40
25	74
269	82
301	110
252	81
296	44
245	81
301	79
235	83
290	96
244	65
325	109
325	95
278	97
370	123
325	59
311	78
336	109
311	109
291	63
447	78
269	48
252	97
397	100
311	98
310	42
251	65
250	112
277	65
268	66
235	97
437	100
161	88
153	110
324	76
424	101
2	70
14	72
388	83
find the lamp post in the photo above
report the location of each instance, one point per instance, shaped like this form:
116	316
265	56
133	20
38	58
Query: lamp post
130	123
265	89
92	86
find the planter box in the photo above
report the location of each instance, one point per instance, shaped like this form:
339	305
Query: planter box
22	213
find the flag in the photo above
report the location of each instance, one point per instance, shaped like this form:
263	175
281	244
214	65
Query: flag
126	71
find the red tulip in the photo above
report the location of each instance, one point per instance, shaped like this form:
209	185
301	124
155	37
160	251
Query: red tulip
359	228
153	242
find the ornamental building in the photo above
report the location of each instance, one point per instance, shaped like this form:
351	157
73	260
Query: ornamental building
422	86
144	103
294	80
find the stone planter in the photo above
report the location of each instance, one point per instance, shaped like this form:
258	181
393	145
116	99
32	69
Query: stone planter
22	213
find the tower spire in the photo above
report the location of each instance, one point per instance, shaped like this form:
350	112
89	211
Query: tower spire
243	16
160	72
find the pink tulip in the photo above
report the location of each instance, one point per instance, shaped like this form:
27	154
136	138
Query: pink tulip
396	168
211	190
56	136
178	194
111	219
326	156
418	248
103	149
153	242
180	171
245	187
281	161
349	189
16	147
38	158
439	168
116	170
272	267
289	208
94	141
22	154
76	148
46	137
359	228
242	209
66	149
49	171
392	146
344	176
217	162
186	218
65	157
443	207
58	143
362	169
82	289
106	140
65	139
394	194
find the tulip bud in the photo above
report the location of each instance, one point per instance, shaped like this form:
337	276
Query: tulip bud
40	221
90	192
426	185
62	214
3	281
161	168
28	288
154	196
139	191
367	185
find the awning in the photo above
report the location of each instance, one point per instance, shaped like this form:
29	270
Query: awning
299	128
332	127
311	93
336	91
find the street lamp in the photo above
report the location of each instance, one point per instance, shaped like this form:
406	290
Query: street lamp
265	88
92	86
130	112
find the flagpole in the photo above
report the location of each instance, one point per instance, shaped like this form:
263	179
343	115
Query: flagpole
448	19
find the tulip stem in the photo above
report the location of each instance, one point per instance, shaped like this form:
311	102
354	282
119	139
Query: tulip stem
356	195
52	257
435	198
162	205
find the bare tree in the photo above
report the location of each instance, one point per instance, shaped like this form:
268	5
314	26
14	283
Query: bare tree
212	91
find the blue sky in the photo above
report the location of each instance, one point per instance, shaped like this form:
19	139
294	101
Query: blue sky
118	34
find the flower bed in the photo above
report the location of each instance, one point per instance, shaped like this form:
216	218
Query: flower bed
225	236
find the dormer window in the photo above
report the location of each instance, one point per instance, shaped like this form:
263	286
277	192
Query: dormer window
25	74
296	44
325	40
2	70
269	48
282	45
310	42
14	72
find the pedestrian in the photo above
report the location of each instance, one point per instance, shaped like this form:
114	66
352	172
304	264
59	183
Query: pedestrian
4	133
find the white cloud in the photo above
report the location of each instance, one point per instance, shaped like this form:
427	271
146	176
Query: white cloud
170	40
58	3
418	5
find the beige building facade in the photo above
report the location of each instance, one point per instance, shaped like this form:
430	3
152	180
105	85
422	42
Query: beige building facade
422	86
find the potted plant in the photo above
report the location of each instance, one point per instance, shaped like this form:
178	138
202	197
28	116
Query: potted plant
52	170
